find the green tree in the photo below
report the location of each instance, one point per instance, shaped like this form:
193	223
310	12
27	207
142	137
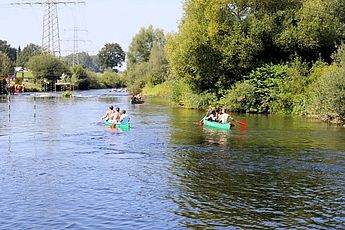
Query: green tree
220	41
111	80
80	78
111	56
158	66
88	62
8	50
6	67
47	67
28	52
142	44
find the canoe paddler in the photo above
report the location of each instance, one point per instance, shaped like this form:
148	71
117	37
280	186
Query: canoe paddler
109	113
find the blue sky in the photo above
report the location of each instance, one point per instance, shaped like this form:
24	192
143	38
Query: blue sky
106	21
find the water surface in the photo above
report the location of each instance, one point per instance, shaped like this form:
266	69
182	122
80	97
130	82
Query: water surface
61	169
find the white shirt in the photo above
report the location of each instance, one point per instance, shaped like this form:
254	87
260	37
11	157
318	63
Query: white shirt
124	118
224	118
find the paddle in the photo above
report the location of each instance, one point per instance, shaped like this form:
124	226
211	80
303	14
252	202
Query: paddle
200	123
242	123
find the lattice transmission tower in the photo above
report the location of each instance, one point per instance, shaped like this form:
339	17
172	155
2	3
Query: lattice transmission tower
50	31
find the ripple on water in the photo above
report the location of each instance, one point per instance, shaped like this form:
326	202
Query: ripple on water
63	170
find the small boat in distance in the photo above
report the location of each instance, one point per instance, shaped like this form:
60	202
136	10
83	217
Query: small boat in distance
137	100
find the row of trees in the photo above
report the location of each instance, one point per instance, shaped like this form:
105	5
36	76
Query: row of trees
47	68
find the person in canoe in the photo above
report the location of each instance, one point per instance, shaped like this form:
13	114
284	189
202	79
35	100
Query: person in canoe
212	116
124	117
108	115
224	117
116	115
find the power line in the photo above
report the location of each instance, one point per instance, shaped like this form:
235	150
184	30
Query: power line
76	41
50	31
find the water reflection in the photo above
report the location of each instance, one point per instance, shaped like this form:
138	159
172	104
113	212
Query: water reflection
267	179
63	169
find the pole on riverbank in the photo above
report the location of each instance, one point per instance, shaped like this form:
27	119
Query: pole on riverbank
35	105
9	99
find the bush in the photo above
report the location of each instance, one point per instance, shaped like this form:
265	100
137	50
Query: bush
66	94
181	94
111	79
328	95
240	98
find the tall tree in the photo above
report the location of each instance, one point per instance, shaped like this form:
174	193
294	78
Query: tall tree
8	50
29	51
6	67
142	44
111	56
47	67
80	77
84	59
221	41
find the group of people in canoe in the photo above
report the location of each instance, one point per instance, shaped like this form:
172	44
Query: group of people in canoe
218	115
115	115
136	98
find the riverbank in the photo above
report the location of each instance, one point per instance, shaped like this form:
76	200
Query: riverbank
179	94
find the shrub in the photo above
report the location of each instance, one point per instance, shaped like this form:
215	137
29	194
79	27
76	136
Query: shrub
328	94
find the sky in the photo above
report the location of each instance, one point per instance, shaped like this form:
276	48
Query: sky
99	22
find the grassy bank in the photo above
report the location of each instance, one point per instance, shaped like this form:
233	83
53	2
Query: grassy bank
180	94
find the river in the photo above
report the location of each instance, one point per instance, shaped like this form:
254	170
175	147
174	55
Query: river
61	169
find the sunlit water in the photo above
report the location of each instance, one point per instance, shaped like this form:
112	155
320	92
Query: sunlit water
61	169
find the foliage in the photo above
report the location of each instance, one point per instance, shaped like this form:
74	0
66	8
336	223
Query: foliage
111	80
181	94
84	59
47	67
6	67
66	94
219	41
158	66
32	87
80	78
136	78
147	63
28	52
142	44
327	93
8	50
94	80
260	92
111	56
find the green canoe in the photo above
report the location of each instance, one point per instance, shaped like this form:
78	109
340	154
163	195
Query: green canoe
123	126
217	125
137	102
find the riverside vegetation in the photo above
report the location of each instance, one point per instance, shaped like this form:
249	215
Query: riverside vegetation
252	56
262	56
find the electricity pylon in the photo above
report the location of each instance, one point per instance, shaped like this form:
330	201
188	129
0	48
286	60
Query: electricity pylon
76	41
50	32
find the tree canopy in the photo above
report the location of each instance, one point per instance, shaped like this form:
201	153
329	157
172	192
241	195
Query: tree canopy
47	67
221	41
5	65
28	52
111	56
8	50
142	44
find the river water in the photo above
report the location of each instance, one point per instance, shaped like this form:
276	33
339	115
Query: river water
61	169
